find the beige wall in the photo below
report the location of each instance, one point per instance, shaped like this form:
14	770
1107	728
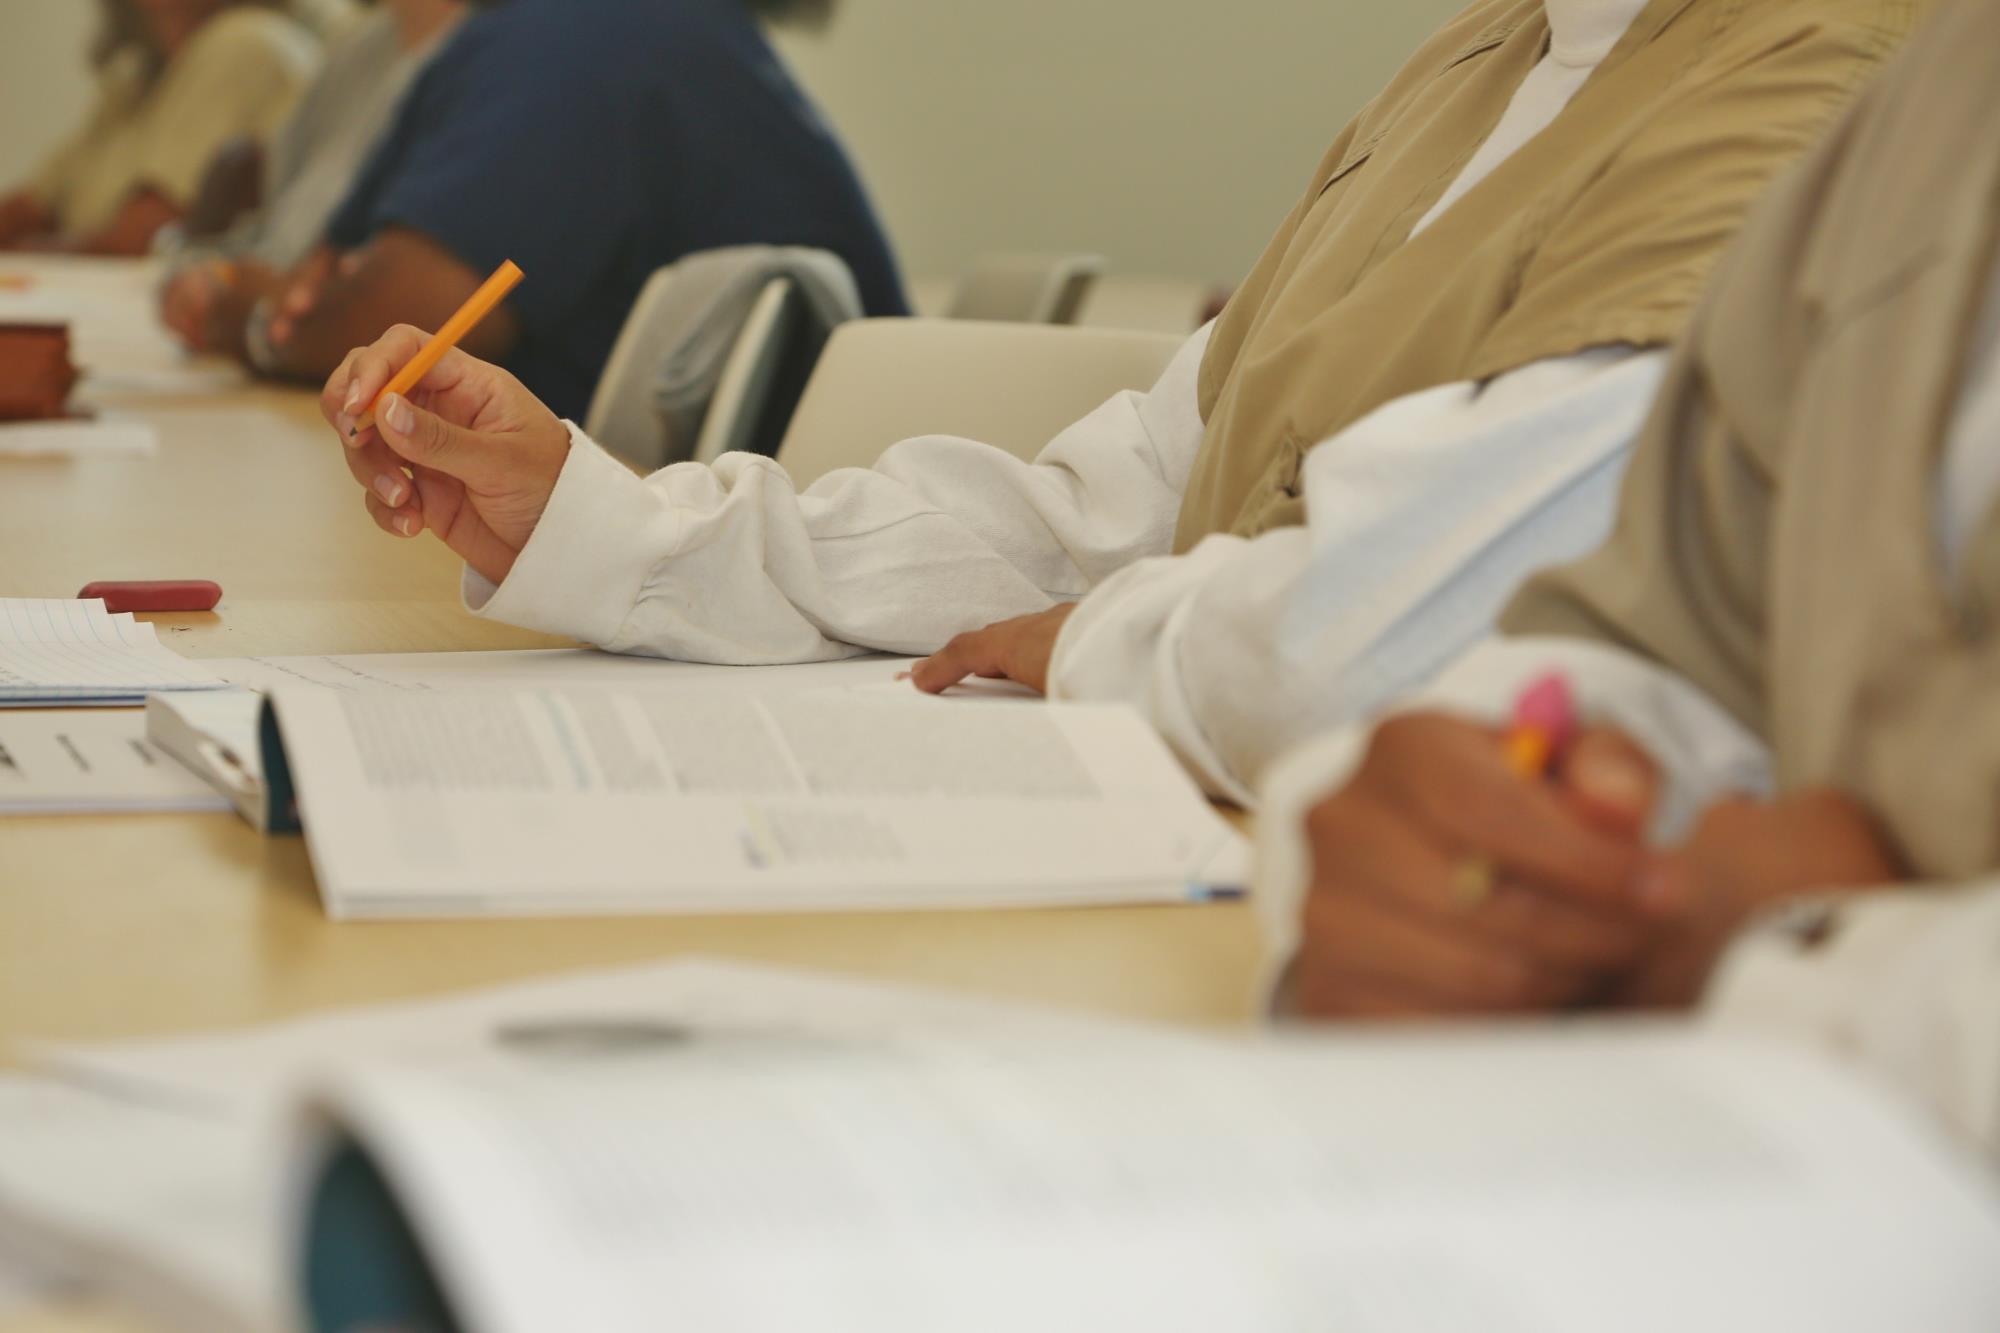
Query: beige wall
1171	136
44	86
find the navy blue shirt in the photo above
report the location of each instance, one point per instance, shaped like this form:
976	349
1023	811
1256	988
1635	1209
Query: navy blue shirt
595	141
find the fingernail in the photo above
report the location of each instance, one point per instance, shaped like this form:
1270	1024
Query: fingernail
407	526
353	403
1610	777
401	419
390	489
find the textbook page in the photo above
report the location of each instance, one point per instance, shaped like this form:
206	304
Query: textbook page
241	1073
58	652
1649	1183
544	666
64	761
713	800
169	1212
149	1169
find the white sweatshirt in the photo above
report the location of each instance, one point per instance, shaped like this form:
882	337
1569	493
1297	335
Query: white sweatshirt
731	563
1909	981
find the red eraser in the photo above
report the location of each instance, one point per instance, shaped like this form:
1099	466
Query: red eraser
156	595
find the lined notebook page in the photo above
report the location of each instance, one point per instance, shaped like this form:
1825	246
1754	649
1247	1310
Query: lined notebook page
57	651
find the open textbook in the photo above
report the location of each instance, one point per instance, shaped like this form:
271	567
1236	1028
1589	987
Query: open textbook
553	801
150	1172
217	735
716	1148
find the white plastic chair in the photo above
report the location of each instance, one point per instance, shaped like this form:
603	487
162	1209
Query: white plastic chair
624	415
1027	288
734	413
1014	386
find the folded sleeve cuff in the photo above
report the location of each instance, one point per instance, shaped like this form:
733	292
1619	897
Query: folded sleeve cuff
574	577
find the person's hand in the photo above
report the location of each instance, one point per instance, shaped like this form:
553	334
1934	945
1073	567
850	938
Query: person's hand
186	302
298	294
1745	857
1444	883
470	455
208	306
1018	650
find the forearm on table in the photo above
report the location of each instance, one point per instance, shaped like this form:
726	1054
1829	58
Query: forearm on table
402	277
130	234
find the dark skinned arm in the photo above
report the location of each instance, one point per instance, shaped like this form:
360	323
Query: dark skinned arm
131	233
23	216
401	277
232	186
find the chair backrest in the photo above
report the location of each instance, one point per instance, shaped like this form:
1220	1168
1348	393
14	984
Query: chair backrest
1027	288
737	413
1014	386
623	417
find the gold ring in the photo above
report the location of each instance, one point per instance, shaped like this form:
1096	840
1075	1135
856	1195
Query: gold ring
1472	884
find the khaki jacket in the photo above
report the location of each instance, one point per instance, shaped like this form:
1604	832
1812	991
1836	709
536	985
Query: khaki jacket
1600	230
240	75
1776	543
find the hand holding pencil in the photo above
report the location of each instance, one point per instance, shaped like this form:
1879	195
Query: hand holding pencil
441	441
1545	818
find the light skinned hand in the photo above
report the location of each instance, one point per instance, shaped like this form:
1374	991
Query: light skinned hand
469	455
1386	929
1745	857
1018	650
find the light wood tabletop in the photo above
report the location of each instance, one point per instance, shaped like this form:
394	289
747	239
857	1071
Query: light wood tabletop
127	926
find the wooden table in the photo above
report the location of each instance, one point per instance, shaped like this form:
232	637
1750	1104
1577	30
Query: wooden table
117	927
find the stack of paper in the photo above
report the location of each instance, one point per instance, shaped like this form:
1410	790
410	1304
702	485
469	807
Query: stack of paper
77	439
68	761
57	653
117	339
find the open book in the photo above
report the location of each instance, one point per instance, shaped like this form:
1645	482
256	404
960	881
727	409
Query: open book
709	1147
148	1172
630	1180
720	799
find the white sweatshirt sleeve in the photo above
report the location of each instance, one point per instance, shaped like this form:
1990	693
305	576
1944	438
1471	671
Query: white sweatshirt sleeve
1704	754
1906	983
1421	520
732	564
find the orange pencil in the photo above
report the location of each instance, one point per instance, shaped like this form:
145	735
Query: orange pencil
1544	723
491	293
